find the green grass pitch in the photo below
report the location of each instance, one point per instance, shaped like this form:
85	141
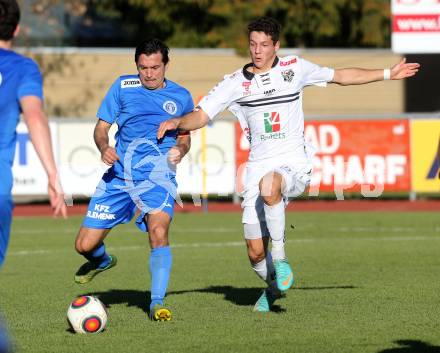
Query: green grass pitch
365	282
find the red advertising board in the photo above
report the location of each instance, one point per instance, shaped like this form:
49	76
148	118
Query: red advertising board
367	156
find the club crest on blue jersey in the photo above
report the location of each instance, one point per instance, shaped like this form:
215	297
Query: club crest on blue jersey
170	107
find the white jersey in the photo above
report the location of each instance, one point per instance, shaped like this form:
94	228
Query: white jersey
269	105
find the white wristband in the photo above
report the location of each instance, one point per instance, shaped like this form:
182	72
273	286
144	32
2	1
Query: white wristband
386	74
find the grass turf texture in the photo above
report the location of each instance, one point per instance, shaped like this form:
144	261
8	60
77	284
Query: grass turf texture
365	282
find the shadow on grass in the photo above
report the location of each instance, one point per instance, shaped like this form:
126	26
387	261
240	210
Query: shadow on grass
141	299
137	298
237	296
323	288
69	329
412	346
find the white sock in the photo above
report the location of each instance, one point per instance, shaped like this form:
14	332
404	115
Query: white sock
264	269
275	220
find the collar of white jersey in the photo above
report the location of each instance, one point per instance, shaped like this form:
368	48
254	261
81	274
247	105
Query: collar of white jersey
250	75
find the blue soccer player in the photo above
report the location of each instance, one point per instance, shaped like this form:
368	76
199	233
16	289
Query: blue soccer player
21	91
142	173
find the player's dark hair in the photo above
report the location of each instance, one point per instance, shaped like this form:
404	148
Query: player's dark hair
152	46
9	18
267	25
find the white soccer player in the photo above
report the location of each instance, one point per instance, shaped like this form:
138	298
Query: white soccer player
266	97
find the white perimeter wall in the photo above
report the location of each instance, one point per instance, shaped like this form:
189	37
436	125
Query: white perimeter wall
80	167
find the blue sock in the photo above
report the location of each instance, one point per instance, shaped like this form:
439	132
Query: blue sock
98	257
160	268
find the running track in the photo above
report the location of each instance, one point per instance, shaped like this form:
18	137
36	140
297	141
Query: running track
296	206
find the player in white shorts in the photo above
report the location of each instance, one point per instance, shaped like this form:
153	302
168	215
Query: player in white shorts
266	97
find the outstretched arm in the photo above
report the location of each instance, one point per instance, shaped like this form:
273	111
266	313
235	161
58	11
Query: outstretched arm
38	126
356	76
191	121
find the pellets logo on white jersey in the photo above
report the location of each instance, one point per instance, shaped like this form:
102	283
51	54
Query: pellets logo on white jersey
272	127
271	122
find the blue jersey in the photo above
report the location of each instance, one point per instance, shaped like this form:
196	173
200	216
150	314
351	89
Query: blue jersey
138	112
19	77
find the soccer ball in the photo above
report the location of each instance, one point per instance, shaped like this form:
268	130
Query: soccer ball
87	314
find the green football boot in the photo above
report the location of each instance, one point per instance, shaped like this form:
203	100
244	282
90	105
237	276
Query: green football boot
88	270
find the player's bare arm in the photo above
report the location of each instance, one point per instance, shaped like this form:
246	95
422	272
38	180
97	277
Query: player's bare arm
181	148
357	76
191	121
108	153
37	123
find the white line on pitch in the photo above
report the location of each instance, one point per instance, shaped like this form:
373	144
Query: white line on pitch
229	244
175	230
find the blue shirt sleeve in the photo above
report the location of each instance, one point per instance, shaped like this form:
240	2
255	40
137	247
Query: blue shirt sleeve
111	105
189	105
31	83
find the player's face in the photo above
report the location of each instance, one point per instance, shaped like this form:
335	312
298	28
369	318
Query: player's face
262	50
151	70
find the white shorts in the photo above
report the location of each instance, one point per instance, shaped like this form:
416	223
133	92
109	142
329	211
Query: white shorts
296	175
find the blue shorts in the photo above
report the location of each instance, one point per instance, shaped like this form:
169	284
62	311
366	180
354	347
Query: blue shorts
115	201
6	207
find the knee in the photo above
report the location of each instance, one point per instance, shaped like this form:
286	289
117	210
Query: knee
158	236
256	255
270	188
81	246
271	200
